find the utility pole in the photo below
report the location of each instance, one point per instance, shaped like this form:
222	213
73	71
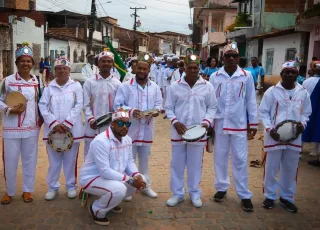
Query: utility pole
91	26
135	27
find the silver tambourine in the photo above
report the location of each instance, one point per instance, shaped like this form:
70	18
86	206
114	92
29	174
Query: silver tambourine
60	142
194	133
287	131
103	120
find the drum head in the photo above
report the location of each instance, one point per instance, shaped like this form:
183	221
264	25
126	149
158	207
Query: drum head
194	133
287	131
60	142
15	98
104	120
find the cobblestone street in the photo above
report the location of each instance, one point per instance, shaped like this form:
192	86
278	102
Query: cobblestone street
146	213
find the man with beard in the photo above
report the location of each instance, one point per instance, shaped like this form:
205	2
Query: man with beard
236	97
90	69
285	101
191	101
109	170
141	94
99	92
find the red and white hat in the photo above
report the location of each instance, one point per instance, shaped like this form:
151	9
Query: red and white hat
290	65
106	54
62	62
121	113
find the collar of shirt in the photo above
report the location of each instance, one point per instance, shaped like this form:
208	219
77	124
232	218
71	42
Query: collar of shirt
297	86
238	73
54	83
111	136
200	80
32	79
134	82
98	77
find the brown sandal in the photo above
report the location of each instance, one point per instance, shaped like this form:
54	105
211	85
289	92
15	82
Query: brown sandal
5	200
27	198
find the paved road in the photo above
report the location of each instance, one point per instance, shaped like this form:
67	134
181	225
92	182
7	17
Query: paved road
63	213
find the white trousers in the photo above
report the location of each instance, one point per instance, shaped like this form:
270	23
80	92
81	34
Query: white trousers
287	161
189	156
69	161
12	149
239	157
86	148
164	90
111	194
143	153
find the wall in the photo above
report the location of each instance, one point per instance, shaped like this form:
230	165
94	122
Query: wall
79	48
252	49
5	51
280	45
314	44
59	45
21	32
166	47
22	4
71	32
278	20
154	45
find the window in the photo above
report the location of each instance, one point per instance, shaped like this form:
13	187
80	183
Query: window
290	54
269	61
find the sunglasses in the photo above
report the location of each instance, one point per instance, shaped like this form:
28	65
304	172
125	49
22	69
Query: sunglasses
231	55
122	123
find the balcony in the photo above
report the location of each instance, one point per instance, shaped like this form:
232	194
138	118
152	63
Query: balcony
309	18
213	38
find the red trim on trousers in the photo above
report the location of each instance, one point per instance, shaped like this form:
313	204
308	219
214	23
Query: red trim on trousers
90	182
109	199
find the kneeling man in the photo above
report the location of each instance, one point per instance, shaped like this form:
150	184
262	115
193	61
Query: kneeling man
109	170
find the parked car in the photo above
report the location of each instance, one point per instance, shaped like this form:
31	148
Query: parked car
76	73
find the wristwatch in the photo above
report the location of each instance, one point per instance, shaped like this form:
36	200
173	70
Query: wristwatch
130	181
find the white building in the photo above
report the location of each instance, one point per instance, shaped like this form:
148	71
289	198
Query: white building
26	31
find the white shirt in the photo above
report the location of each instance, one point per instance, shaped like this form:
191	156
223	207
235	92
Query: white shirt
115	73
128	76
108	158
276	107
132	96
98	97
236	97
190	106
62	105
177	76
25	124
310	83
87	72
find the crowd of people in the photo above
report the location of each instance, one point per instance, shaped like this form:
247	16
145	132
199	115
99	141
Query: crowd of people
221	99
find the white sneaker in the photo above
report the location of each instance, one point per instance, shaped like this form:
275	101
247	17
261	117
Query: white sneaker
313	154
149	192
72	193
128	199
196	202
51	195
174	200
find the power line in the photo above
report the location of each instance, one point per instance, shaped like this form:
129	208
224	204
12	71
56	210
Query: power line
102	7
156	8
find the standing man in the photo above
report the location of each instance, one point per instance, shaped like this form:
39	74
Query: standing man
90	69
141	94
178	73
312	132
99	92
285	101
61	105
236	97
256	71
133	70
191	101
107	175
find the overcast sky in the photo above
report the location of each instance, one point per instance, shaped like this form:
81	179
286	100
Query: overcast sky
160	15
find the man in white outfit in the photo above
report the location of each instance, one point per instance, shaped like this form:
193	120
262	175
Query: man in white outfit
141	94
190	101
61	105
90	69
109	170
285	101
179	72
99	92
235	93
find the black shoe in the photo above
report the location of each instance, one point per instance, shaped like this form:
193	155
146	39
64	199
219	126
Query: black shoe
117	209
290	207
247	205
218	197
268	203
314	163
101	221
